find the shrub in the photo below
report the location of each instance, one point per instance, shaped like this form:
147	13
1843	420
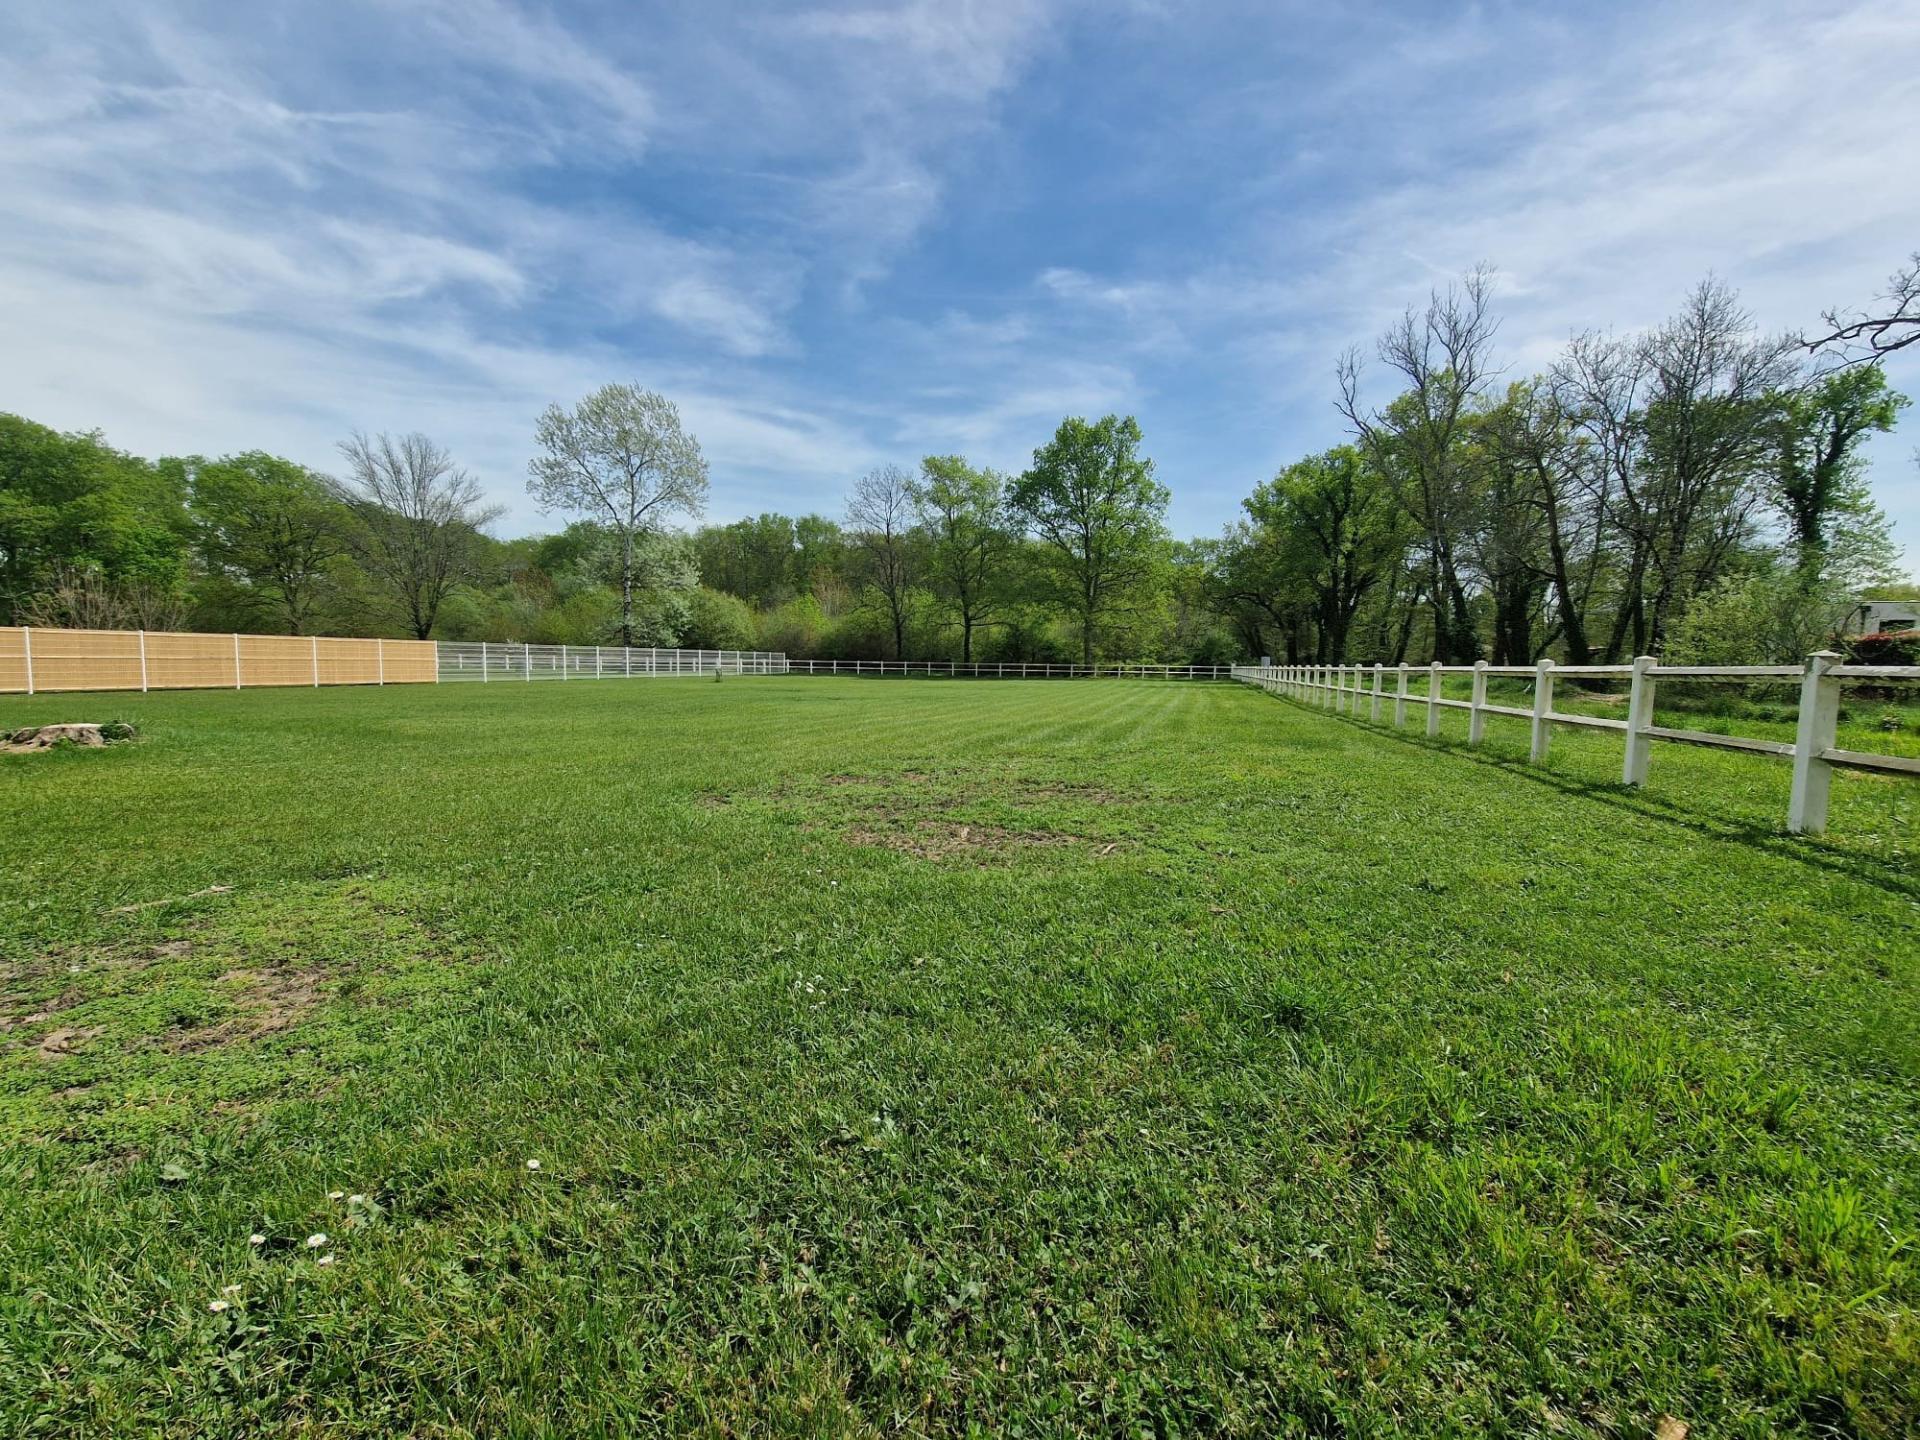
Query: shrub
718	621
1885	647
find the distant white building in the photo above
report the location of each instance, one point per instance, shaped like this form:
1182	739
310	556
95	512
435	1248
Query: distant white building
1873	617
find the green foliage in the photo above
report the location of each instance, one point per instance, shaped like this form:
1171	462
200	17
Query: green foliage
1092	500
621	458
1776	615
271	524
1818	434
71	502
964	511
718	621
1332	524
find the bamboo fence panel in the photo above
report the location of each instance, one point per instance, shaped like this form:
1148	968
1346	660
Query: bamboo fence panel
38	660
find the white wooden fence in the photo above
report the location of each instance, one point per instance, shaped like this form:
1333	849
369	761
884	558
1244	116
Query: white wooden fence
484	660
1011	670
1345	689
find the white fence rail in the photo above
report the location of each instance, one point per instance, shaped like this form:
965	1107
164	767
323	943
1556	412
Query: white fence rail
1344	689
485	660
1011	670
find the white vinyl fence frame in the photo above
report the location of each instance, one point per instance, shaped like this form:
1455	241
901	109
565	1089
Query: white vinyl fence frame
1010	670
485	661
1342	688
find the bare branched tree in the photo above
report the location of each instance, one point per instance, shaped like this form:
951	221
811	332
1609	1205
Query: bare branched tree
1891	325
417	516
80	598
620	457
1444	356
880	512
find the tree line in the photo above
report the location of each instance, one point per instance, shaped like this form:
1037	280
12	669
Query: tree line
1696	490
1068	560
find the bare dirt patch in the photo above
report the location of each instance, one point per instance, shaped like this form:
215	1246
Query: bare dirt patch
63	1042
936	839
1071	791
272	1000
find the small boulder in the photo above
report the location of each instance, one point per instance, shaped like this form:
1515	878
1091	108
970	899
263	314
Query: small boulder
45	737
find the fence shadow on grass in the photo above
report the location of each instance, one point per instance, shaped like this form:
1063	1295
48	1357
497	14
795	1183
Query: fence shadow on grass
1897	876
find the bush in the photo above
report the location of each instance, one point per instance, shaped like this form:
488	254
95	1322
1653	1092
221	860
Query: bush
1768	617
1885	647
718	621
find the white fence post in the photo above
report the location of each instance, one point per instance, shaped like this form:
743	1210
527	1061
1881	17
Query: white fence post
1400	700
483	662
143	662
1379	678
1633	770
563	663
380	662
1814	736
316	660
1542	708
526	660
236	662
1477	716
26	648
1433	698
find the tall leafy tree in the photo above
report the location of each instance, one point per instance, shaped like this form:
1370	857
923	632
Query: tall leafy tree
1335	521
1818	433
1710	401
963	511
621	457
1092	500
270	523
72	504
1443	355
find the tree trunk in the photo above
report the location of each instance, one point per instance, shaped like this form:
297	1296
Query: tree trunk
626	588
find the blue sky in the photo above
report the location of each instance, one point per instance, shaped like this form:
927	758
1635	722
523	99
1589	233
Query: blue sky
842	236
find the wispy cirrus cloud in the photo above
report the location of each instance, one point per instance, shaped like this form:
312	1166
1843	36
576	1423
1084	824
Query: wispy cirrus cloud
840	234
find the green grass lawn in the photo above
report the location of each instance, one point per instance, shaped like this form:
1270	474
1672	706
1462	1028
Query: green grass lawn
941	1057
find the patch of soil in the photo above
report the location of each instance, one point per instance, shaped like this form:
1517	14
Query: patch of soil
1069	790
935	839
80	960
62	1042
60	1003
274	1000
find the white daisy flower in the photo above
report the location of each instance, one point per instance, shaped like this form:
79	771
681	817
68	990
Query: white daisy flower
324	1260
216	1306
533	1164
314	1242
256	1238
229	1289
336	1194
